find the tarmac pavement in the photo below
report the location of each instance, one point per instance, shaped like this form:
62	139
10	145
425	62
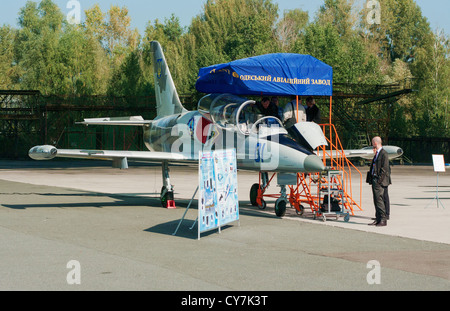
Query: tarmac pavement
111	223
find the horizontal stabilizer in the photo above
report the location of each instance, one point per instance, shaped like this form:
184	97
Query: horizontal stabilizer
127	121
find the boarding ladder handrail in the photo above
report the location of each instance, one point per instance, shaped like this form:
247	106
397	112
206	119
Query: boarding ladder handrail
338	161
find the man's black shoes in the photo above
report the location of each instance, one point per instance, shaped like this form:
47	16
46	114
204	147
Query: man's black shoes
381	223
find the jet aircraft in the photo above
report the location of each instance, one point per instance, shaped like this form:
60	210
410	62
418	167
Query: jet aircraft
222	121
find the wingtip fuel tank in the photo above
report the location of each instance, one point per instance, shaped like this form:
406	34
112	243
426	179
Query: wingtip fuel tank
41	153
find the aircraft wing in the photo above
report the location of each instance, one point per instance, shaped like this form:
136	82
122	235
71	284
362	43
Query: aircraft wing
119	158
360	153
365	153
347	153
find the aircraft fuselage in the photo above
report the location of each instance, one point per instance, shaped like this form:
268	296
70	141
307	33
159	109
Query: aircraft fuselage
271	149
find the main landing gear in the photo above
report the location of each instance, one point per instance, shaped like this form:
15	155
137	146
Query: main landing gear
167	197
257	193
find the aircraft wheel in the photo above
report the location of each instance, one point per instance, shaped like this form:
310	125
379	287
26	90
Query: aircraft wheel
347	217
300	210
280	208
166	196
254	194
263	206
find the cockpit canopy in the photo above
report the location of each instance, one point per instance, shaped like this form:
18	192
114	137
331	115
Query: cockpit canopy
223	109
227	110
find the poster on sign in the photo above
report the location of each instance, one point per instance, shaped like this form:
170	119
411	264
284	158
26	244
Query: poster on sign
226	185
218	195
207	215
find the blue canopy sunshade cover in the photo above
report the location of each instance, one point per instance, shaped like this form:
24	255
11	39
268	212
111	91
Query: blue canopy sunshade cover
278	74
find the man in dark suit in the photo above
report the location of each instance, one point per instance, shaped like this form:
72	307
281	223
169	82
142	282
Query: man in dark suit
268	108
312	111
379	177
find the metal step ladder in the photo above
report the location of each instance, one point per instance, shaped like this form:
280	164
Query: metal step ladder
332	199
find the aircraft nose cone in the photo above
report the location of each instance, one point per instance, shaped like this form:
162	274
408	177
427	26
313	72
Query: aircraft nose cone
313	164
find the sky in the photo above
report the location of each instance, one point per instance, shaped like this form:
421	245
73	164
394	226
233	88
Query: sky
143	11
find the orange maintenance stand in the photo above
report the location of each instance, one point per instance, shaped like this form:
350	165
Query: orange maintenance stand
326	193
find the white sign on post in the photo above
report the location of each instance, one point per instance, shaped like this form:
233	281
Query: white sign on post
439	167
439	163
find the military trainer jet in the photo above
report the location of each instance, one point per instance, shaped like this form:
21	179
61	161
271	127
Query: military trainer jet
222	121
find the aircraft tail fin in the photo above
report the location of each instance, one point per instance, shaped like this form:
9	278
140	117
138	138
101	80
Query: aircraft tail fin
167	100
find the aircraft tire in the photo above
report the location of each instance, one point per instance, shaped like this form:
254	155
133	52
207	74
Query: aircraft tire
254	194
280	208
165	196
263	206
300	210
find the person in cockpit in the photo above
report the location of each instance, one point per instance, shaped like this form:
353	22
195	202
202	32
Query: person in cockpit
275	101
267	108
312	111
290	112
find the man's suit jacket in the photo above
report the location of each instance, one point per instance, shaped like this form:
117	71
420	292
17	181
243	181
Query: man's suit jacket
382	170
313	114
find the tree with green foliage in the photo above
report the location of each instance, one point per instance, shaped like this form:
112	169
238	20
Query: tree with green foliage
289	29
37	46
129	79
340	14
332	38
233	29
432	100
9	71
85	63
404	37
113	31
